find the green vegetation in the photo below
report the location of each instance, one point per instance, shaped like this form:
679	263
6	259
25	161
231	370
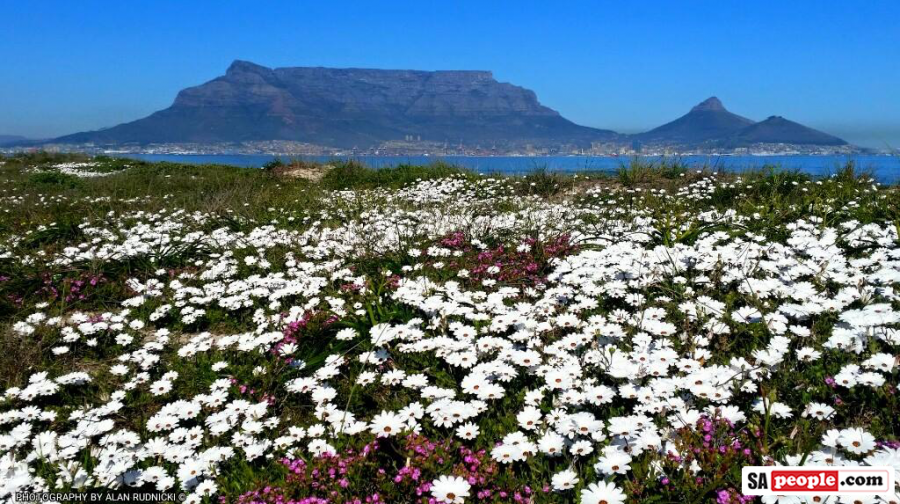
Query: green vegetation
305	308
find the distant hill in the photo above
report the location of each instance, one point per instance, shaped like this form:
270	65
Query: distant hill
349	107
11	139
357	107
705	122
710	124
777	129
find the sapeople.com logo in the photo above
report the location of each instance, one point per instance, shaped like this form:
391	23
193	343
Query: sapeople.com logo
797	480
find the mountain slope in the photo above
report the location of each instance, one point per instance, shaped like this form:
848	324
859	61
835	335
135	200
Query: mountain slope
777	129
349	107
709	124
708	121
11	139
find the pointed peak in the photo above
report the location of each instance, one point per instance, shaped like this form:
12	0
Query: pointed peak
244	66
711	103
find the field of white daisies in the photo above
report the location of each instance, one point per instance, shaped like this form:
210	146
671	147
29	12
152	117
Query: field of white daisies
427	335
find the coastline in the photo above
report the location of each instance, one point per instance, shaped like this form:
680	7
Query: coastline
884	168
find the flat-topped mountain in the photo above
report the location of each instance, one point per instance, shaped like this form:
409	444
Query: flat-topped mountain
345	107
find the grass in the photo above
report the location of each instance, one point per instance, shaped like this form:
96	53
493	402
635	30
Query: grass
544	183
54	205
345	175
44	211
641	172
245	195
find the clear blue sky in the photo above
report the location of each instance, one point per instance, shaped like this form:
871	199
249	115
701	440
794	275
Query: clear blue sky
68	66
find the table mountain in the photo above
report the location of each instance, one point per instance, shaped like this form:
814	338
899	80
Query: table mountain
350	107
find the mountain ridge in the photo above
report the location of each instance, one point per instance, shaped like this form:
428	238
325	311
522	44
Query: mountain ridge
710	123
360	107
785	131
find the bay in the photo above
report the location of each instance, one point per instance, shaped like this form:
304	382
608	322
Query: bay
884	168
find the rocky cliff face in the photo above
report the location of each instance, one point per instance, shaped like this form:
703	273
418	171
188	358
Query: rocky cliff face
350	107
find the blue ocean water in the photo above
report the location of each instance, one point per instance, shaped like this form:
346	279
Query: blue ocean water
885	169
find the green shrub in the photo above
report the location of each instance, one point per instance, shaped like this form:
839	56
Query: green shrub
50	178
273	165
544	183
639	171
355	175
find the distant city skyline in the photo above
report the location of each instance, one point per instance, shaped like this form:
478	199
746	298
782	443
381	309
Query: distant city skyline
72	67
